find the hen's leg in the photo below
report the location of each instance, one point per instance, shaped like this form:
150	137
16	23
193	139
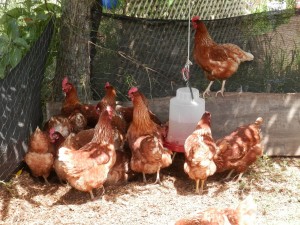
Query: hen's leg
202	185
197	186
239	177
91	194
229	175
144	178
46	181
222	89
157	181
201	188
207	90
103	190
173	156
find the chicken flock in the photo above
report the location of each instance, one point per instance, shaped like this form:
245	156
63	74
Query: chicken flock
92	146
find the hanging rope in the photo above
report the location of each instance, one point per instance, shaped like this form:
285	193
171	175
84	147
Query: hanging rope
186	69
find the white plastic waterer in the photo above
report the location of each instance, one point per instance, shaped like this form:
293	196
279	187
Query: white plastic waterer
184	115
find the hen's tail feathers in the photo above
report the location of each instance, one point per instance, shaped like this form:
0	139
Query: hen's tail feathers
259	121
248	56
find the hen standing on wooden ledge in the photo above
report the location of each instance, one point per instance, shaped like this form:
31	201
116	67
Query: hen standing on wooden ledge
218	61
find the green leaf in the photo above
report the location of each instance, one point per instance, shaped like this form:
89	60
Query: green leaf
2	71
13	29
4	62
42	16
4	59
3	48
15	56
21	42
4	39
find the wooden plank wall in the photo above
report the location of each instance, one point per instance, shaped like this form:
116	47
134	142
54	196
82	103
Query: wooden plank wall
281	114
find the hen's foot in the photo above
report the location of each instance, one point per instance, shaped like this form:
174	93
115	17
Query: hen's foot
239	177
157	181
206	92
220	92
222	89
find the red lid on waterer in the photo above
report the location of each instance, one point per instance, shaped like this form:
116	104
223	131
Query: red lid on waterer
173	146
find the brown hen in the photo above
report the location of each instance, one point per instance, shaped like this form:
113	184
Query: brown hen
78	121
244	214
40	154
60	124
120	172
88	167
240	149
58	141
218	61
145	140
199	150
109	98
72	104
118	122
127	112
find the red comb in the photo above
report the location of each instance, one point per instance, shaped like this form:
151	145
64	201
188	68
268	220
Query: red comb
51	131
107	84
195	18
132	90
65	81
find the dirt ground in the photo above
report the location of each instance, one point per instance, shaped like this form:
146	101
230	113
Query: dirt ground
274	184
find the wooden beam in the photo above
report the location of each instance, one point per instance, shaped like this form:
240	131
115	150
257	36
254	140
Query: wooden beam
281	114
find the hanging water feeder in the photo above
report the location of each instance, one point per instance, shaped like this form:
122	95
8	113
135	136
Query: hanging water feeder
186	108
185	112
109	4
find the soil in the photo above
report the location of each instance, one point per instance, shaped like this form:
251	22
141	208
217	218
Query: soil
274	183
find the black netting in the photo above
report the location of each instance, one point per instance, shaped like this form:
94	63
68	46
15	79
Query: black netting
151	53
20	108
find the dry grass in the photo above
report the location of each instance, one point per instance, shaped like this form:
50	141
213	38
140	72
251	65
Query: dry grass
274	184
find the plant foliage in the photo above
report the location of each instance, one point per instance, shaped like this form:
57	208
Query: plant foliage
20	28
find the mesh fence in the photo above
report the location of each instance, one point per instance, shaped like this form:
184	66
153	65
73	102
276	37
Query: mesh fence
150	53
20	107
